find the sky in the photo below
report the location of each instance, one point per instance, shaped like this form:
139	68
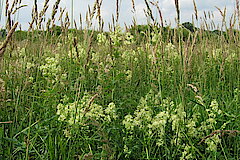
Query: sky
108	9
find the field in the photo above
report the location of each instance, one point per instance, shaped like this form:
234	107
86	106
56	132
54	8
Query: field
140	92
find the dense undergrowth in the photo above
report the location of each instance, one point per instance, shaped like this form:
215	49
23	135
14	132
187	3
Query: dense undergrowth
113	98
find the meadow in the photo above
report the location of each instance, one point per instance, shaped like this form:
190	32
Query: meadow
139	92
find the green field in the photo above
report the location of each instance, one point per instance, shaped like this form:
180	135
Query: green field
142	92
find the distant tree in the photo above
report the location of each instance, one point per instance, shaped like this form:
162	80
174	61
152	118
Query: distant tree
217	32
189	26
56	30
3	33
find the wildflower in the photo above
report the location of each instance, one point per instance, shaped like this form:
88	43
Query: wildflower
111	111
29	65
30	79
212	143
186	154
128	122
101	38
128	38
129	74
67	133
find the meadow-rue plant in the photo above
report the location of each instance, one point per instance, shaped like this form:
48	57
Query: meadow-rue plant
216	53
129	55
191	125
148	121
212	113
30	79
116	36
129	75
171	51
155	37
236	94
111	112
102	39
213	143
74	55
22	52
129	39
187	153
177	118
83	112
51	69
29	65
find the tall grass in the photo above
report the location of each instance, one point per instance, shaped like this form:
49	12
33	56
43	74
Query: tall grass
150	92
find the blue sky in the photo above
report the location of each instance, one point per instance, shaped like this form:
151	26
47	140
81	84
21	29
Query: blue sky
126	12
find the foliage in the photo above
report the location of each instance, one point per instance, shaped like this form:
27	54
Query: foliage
144	93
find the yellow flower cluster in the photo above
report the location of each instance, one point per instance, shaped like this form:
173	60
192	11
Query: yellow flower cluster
83	111
171	51
52	70
147	120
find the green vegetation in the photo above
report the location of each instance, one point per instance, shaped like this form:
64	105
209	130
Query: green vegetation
144	93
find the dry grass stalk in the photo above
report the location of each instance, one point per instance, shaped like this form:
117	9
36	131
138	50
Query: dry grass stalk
48	24
117	10
42	13
92	13
209	14
8	12
178	11
35	10
195	9
67	22
7	40
99	14
133	5
205	15
87	109
88	156
18	8
222	132
76	48
92	99
75	24
206	24
6	122
34	16
238	10
9	21
194	88
54	10
113	23
159	11
90	42
237	7
232	23
13	5
102	25
87	18
6	8
149	11
61	17
80	21
61	13
134	22
223	14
